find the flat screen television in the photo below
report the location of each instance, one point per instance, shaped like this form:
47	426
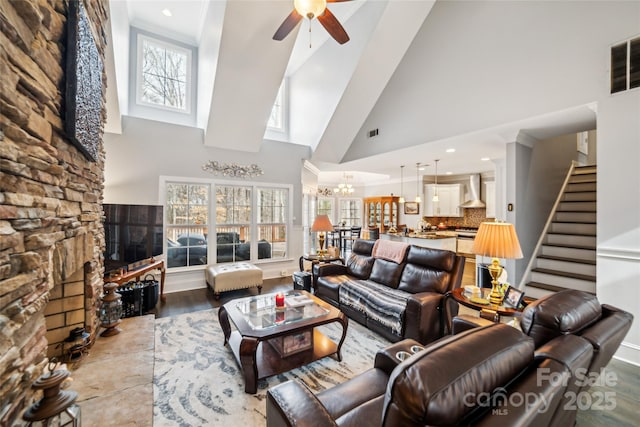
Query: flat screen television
132	233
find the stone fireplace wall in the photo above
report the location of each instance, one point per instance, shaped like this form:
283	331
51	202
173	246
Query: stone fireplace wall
51	234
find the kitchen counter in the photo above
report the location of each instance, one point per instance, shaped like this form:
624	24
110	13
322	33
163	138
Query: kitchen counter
426	240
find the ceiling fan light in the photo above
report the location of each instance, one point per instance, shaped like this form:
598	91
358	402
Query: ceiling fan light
310	8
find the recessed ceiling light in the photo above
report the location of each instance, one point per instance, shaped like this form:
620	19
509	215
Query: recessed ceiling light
451	150
484	159
449	173
166	12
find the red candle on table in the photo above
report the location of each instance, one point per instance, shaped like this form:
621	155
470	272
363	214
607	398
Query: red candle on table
279	300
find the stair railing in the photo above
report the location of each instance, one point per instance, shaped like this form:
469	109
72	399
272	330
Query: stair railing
526	277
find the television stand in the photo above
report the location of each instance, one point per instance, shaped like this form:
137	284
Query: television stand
127	276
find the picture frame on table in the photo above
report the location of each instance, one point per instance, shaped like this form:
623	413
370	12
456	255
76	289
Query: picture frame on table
513	297
411	208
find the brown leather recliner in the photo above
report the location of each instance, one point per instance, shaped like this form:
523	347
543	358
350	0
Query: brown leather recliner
569	312
463	379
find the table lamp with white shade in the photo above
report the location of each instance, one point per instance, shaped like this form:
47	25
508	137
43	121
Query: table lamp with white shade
497	240
321	224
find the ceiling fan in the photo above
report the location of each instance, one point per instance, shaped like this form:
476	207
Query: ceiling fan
313	9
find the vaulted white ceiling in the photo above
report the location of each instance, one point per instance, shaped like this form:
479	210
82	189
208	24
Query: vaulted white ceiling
335	90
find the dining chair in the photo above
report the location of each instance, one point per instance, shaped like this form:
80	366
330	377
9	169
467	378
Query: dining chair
354	234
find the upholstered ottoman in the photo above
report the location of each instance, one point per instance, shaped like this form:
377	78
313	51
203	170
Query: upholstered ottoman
227	277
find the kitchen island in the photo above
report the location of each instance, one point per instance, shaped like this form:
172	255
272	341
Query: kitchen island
425	240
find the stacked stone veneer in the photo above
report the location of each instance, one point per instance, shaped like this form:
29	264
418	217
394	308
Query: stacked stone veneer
51	234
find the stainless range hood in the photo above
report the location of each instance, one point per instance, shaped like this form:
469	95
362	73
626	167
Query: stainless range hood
474	190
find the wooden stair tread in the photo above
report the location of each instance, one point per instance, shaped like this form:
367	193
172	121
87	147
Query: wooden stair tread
555	233
573	222
579	192
548	287
572	211
564	245
587	277
582	180
566	259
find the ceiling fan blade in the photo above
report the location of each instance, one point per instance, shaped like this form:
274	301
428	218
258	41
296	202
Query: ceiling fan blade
287	25
333	27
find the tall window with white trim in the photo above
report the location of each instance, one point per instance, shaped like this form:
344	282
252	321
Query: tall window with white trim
187	223
233	223
273	214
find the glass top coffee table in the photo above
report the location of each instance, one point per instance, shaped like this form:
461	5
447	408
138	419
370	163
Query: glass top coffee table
268	341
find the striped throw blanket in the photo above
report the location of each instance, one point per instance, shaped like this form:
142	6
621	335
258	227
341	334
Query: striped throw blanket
378	302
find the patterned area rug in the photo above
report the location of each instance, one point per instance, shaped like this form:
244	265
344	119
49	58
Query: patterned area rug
197	382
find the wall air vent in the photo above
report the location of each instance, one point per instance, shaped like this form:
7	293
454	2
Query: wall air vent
625	65
372	133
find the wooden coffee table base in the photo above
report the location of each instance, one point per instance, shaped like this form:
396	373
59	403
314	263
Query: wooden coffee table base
259	359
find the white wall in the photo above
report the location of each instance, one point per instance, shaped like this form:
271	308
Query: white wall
479	64
618	262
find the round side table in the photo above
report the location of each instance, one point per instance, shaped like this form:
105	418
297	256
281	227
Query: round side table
488	311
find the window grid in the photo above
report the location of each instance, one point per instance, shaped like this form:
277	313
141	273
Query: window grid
250	222
350	212
164	75
273	210
187	224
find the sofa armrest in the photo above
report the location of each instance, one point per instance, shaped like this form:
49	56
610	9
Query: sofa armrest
464	322
329	269
292	404
386	359
606	335
423	317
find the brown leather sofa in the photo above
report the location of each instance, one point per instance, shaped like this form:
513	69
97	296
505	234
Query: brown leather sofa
487	375
396	300
564	313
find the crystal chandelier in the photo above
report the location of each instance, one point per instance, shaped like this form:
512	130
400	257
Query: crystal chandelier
232	169
344	188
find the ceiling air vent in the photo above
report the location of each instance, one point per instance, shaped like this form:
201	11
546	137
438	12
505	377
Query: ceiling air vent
372	133
625	65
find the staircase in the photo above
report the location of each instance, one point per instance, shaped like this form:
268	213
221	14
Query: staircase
565	257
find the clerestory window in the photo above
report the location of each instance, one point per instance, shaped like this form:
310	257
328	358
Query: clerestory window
164	77
164	74
277	120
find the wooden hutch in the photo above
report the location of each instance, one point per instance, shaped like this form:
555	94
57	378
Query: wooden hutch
381	212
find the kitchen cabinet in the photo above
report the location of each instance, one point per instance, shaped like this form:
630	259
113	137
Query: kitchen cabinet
450	196
490	198
381	212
